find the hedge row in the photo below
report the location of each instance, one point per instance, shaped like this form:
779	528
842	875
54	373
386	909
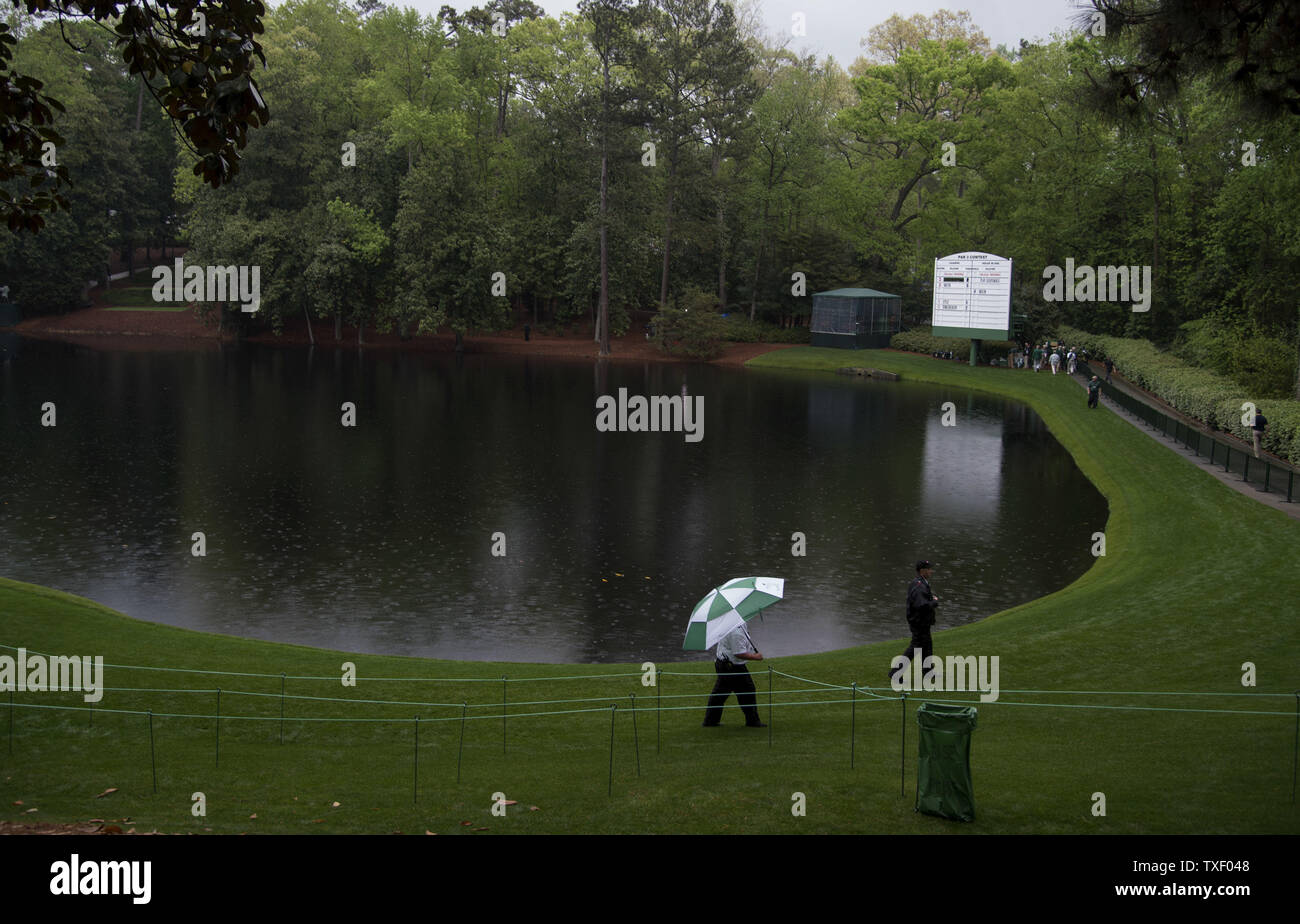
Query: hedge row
921	340
739	329
1198	393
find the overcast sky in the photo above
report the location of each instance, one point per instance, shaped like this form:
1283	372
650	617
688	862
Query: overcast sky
836	27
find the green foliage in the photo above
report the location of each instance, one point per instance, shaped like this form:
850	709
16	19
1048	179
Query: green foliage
199	72
689	334
1198	393
920	340
1264	365
739	329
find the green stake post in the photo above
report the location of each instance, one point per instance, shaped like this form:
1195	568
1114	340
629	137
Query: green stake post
1295	748
635	740
902	752
218	749
659	705
153	765
613	710
853	724
461	750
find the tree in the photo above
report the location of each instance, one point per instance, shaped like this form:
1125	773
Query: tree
1253	48
693	62
931	101
206	57
610	38
886	42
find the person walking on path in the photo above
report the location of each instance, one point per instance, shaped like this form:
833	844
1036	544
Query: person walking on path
1094	391
1072	357
1038	358
1110	367
921	603
1257	431
734	649
1055	360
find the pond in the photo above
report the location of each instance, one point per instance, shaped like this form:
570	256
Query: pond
380	537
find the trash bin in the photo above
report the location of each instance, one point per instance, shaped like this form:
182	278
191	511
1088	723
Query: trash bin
943	784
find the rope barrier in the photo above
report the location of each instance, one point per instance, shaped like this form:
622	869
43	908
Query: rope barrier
524	715
703	674
400	702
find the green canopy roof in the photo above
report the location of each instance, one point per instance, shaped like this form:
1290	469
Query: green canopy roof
857	293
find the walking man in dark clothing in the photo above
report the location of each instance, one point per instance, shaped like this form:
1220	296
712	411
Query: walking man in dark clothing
1110	367
1094	391
921	603
735	648
1257	431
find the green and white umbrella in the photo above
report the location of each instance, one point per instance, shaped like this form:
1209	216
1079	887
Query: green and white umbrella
728	606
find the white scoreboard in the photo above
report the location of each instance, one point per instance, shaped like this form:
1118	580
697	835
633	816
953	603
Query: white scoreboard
972	296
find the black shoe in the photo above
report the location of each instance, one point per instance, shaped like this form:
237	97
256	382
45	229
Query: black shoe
756	725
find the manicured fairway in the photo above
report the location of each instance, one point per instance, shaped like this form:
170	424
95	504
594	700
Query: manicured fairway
137	298
1196	581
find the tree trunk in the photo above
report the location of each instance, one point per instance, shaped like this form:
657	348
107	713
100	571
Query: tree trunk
311	336
668	241
758	256
1155	217
722	236
338	324
602	320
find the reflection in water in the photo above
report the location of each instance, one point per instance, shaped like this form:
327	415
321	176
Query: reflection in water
378	538
961	469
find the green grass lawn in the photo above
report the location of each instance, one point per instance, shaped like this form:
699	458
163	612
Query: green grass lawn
136	297
1196	580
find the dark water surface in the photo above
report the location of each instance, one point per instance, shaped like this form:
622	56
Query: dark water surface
378	538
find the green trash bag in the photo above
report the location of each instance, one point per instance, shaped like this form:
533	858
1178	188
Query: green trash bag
943	785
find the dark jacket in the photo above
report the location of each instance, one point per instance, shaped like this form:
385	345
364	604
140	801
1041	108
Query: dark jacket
920	605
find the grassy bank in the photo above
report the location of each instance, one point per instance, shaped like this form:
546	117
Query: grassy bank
1197	580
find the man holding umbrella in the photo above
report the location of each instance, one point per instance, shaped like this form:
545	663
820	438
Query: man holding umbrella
719	620
735	648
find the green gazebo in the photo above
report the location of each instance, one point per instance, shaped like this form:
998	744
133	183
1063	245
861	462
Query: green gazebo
853	319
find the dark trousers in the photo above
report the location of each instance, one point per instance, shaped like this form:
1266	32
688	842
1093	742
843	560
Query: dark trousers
1092	397
920	639
732	678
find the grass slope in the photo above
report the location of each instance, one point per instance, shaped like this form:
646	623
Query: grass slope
1197	580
